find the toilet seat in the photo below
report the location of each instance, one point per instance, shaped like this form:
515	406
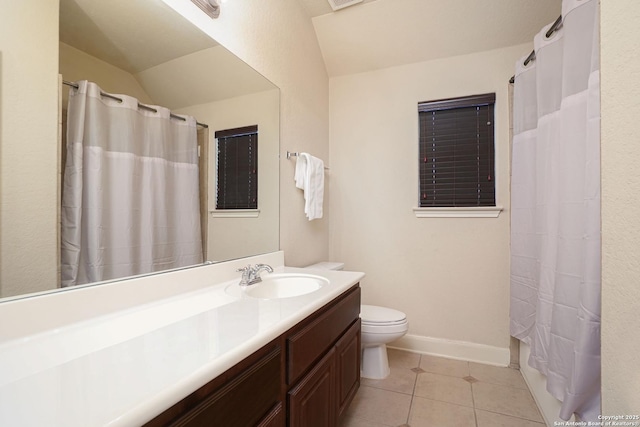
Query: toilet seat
382	320
381	316
385	329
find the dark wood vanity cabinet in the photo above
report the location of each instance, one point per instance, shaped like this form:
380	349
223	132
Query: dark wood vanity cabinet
305	378
347	367
312	402
327	348
320	398
246	395
275	418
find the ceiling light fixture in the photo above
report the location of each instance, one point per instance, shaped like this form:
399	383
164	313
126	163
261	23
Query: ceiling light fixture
210	7
341	4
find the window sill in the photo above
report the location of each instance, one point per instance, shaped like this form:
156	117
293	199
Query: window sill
235	213
475	212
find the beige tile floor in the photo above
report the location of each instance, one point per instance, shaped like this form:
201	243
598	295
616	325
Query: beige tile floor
426	391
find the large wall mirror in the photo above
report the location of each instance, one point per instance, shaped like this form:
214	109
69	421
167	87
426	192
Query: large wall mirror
146	50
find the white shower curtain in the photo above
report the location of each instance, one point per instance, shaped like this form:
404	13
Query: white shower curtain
555	209
130	194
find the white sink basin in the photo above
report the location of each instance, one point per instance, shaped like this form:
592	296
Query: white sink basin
285	285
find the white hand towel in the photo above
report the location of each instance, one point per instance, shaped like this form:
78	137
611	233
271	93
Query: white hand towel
309	177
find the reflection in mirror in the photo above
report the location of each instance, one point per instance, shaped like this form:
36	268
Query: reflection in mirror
145	50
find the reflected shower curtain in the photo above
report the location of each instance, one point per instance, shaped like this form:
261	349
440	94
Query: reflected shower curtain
555	218
130	194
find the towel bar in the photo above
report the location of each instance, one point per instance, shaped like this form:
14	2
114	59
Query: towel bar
291	154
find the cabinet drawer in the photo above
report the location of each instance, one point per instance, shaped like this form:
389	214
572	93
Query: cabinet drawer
243	401
275	418
240	397
310	342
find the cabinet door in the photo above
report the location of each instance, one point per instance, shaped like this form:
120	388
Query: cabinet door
312	402
348	367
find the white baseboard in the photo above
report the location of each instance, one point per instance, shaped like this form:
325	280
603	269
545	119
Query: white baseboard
461	350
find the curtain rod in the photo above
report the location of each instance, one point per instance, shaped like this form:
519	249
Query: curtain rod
141	106
532	56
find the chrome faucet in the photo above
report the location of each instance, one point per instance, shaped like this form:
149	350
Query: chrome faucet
251	275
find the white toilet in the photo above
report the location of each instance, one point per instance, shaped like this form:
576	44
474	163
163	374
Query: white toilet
380	326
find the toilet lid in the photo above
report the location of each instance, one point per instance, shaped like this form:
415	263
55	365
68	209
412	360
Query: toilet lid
372	314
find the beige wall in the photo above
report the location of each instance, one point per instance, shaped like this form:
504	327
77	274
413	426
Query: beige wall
278	40
620	89
28	145
449	275
229	237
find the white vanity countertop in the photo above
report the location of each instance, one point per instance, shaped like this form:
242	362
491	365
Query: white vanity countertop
124	368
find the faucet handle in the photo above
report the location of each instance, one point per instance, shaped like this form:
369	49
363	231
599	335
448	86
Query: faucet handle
244	269
246	274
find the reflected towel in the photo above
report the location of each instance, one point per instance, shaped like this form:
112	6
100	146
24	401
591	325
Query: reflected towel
309	177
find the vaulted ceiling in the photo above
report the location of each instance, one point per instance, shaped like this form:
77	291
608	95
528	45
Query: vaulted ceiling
377	34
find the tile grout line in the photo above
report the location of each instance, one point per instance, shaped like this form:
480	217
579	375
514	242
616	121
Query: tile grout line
473	400
514	416
413	392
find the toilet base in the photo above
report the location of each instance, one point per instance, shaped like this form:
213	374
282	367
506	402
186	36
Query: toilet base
375	364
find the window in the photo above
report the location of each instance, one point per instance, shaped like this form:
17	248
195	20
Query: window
457	152
237	168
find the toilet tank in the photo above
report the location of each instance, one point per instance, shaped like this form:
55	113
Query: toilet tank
327	265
